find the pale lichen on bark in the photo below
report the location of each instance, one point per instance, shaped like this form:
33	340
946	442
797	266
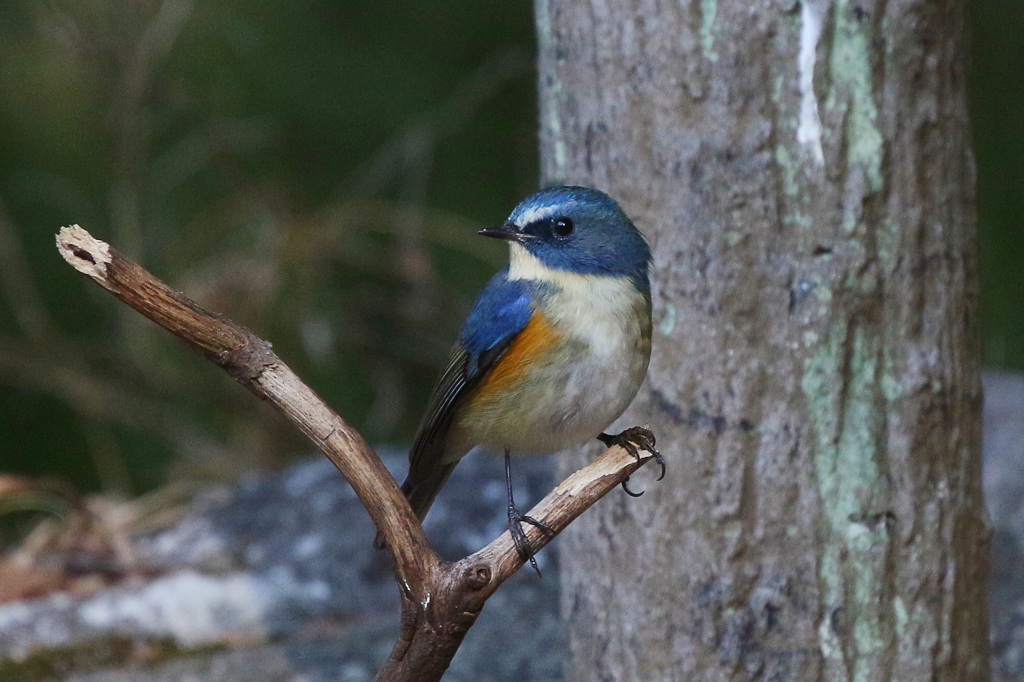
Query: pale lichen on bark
851	95
841	382
708	10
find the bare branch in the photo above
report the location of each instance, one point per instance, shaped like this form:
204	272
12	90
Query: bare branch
250	360
440	602
432	633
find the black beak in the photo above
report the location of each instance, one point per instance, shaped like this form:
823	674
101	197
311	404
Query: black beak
509	232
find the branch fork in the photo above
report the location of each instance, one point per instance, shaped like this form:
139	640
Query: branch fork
440	601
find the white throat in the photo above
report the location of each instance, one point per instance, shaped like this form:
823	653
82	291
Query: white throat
597	308
524	265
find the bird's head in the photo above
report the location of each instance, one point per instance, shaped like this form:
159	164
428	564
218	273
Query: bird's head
575	229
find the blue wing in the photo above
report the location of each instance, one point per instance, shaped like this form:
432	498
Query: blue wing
501	311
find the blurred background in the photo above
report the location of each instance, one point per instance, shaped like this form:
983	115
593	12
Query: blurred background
316	171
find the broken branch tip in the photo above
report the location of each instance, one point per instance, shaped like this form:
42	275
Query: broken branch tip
82	251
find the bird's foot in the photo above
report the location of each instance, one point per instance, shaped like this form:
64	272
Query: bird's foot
519	539
633	440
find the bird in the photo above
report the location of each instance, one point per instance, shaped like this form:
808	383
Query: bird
553	351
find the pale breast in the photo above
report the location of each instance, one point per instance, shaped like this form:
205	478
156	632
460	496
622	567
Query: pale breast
576	390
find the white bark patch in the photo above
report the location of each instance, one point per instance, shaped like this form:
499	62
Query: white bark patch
808	132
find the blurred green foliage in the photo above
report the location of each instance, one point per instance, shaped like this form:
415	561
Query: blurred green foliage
314	170
997	113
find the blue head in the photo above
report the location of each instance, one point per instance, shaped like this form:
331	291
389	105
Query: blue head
580	230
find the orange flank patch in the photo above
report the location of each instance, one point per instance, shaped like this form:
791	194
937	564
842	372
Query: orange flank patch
536	337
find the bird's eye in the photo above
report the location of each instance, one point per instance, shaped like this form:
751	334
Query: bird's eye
563	227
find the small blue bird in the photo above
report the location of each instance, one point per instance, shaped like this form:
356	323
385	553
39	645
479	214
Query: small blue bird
553	351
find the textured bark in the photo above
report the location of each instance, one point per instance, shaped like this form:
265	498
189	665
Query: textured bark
804	174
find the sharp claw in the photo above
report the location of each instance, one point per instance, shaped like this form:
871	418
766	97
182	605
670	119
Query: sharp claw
632	440
519	539
661	462
629	492
521	542
545	528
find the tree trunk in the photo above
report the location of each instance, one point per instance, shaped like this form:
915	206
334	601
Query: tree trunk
804	174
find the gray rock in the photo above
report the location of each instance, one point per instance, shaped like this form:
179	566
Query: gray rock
277	580
1004	496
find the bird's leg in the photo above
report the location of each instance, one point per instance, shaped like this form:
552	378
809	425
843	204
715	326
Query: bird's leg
632	440
516	520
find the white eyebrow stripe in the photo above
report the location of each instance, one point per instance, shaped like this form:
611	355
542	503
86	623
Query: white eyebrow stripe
532	215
